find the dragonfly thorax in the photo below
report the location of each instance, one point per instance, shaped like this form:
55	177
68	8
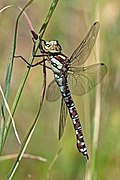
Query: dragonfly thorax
56	65
53	47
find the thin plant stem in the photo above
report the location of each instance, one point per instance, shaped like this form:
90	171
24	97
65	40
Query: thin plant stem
96	115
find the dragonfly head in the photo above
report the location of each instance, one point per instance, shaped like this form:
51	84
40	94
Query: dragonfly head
52	46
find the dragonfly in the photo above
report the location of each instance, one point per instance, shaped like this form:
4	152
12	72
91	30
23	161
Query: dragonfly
71	77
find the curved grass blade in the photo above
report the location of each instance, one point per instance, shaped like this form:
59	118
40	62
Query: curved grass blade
4	130
4	8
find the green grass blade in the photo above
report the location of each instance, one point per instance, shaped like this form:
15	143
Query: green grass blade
29	134
50	12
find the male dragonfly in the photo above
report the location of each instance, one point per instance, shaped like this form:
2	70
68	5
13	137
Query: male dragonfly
71	77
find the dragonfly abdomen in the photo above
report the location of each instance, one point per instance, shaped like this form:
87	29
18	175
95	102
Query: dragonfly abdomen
77	126
62	83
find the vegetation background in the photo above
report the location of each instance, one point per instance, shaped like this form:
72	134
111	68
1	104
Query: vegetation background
69	24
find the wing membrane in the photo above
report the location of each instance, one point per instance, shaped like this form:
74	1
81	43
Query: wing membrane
82	79
62	119
53	92
81	54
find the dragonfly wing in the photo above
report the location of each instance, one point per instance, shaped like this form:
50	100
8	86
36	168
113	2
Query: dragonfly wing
82	79
82	52
62	119
53	92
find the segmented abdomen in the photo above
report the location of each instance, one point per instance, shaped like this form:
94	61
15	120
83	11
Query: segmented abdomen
63	85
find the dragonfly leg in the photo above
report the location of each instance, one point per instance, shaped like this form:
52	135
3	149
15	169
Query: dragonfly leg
22	58
32	65
40	63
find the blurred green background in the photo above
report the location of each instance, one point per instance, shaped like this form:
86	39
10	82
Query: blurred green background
69	24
